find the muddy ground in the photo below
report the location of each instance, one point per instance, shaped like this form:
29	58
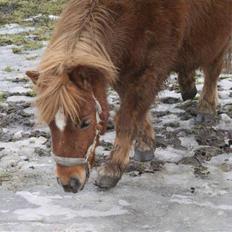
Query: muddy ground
188	187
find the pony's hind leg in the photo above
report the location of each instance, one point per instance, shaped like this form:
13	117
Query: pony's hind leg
145	141
187	84
208	102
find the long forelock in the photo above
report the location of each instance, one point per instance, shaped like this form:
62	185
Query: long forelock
56	93
79	40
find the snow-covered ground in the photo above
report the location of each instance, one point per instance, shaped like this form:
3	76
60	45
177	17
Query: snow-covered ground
187	188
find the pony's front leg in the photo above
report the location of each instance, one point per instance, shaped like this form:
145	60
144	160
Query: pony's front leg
111	171
135	102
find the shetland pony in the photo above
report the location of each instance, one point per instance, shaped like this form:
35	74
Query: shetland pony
131	45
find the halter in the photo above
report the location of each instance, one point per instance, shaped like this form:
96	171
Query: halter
69	161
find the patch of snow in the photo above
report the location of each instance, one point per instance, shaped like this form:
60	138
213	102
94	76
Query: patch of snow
29	110
83	227
174	110
53	17
33	18
226	84
18	134
19	89
30	143
170	118
186	124
225	122
4	211
188	142
47	208
108	137
19	99
168	93
217	160
169	154
14	28
224	95
123	203
160	108
186	200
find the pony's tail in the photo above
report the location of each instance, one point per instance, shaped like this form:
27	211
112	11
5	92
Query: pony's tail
228	59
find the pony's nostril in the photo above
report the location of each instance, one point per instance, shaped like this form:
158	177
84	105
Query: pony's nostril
75	185
67	188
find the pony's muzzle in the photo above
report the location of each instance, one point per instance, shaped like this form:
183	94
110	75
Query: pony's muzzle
73	186
72	179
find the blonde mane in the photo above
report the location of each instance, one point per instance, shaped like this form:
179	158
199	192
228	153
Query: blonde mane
78	40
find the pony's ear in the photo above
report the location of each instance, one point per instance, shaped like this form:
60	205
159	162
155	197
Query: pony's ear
33	75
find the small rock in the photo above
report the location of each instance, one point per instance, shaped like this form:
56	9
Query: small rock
192	190
201	171
160	142
206	153
18	135
41	152
190	161
110	125
107	146
172	124
135	173
156	165
170	100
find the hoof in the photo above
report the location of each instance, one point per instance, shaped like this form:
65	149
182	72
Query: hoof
188	95
144	156
106	180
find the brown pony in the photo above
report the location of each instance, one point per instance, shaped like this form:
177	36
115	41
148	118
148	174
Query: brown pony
132	45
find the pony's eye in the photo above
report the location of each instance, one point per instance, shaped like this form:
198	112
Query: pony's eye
84	124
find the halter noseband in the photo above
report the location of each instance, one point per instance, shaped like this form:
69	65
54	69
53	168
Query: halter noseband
71	161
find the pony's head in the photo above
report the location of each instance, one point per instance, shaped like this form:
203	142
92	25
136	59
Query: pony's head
76	114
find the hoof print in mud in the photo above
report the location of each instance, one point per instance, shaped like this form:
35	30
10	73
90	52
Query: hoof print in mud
205	118
144	156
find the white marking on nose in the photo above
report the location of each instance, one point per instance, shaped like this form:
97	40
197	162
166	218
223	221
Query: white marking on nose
60	119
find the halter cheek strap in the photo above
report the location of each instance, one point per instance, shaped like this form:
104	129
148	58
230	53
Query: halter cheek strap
71	161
